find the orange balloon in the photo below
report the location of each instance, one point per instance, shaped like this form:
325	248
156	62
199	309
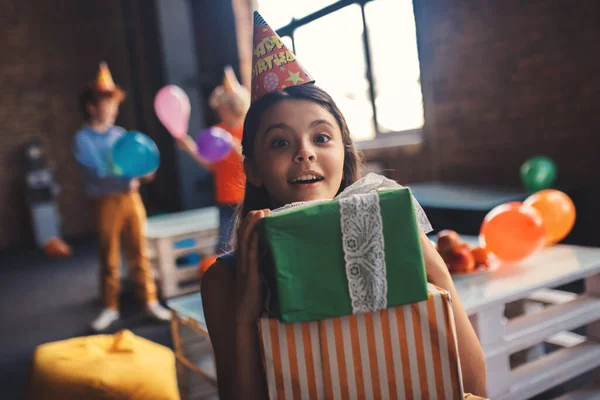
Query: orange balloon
512	231
206	263
557	211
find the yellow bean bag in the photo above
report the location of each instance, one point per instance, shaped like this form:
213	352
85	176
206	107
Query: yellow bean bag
120	366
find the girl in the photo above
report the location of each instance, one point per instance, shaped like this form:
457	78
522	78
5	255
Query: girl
297	147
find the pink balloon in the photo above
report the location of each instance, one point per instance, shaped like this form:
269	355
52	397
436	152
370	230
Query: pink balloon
172	106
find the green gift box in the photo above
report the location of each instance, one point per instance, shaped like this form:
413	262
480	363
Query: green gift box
314	269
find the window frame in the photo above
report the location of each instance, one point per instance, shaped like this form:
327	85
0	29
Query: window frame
381	140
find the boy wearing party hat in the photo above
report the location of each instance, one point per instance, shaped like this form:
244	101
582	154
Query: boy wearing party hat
119	207
230	100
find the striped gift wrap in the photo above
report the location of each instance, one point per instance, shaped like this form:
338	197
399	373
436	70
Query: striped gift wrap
405	352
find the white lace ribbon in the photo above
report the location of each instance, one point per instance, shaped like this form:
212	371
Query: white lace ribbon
374	183
364	252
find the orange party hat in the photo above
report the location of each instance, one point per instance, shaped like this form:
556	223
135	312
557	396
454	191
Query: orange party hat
104	80
274	67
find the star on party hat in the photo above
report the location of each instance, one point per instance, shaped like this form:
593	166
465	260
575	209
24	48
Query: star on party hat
104	80
274	67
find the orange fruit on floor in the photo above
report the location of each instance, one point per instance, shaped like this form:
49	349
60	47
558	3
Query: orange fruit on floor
56	247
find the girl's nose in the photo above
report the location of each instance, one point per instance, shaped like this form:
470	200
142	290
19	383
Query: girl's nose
305	155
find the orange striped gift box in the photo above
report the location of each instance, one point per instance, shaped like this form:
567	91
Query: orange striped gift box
405	352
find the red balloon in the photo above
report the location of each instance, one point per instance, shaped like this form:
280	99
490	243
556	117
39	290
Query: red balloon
512	231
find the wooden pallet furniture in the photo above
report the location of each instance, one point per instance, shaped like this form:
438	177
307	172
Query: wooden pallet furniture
166	234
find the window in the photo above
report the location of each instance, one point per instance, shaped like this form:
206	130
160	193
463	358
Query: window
362	52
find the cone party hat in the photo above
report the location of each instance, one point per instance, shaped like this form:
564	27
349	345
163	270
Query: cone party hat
274	66
230	82
104	80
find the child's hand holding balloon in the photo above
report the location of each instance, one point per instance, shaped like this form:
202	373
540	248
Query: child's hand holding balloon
172	106
148	178
187	144
134	185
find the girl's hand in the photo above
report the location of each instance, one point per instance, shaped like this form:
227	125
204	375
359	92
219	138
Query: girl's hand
249	295
435	267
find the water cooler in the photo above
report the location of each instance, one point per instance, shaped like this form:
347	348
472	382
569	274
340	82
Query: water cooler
41	191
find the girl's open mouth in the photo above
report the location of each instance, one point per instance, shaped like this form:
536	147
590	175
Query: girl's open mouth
306	180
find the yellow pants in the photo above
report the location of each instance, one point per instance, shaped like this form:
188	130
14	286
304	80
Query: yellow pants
117	214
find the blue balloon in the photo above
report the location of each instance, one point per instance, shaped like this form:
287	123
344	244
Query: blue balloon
135	154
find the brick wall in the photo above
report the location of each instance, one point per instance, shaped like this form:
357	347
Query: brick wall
506	80
503	81
49	50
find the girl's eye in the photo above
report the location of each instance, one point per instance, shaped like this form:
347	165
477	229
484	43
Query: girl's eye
278	143
322	138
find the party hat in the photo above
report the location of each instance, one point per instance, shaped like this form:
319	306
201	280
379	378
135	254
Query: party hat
104	80
274	67
230	82
230	91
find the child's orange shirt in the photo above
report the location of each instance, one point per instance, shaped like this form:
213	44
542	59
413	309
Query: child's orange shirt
229	173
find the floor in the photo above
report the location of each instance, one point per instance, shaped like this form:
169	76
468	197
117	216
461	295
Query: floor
45	300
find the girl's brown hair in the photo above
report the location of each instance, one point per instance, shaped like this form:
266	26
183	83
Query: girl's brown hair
257	198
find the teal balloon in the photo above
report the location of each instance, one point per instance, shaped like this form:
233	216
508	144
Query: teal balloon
538	173
135	155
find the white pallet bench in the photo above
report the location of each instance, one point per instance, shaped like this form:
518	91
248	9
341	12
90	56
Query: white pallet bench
163	232
542	298
588	392
485	299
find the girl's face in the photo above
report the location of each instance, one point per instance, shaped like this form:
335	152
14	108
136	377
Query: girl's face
299	153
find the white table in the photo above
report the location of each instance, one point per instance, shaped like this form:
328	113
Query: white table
164	231
485	296
196	369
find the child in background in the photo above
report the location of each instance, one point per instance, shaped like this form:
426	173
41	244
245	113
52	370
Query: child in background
119	207
297	147
230	101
